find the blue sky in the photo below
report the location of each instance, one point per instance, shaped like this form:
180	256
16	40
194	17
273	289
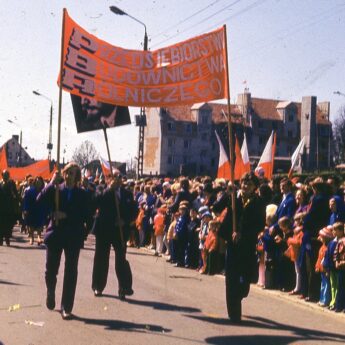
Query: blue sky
283	49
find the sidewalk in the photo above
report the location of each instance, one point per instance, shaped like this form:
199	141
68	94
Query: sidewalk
276	294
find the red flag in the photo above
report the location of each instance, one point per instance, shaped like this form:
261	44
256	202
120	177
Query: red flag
105	167
3	160
266	162
240	169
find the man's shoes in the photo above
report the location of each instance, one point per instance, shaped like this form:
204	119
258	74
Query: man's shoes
123	292
98	293
50	302
7	240
66	315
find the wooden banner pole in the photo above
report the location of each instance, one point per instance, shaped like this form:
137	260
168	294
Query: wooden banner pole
116	198
59	112
231	146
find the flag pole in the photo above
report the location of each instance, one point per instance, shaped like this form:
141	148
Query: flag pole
60	110
231	146
117	207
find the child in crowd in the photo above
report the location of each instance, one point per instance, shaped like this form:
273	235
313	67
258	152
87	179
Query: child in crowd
206	218
170	238
286	270
210	250
339	261
270	219
270	248
139	222
158	226
325	236
329	263
294	248
192	255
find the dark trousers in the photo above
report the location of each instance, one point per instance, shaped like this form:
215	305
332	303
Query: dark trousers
53	258
101	265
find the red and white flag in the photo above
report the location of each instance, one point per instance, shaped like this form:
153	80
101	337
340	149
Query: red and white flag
245	154
224	170
266	162
296	157
239	165
105	167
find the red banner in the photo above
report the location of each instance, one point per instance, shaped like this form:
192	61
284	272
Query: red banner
189	72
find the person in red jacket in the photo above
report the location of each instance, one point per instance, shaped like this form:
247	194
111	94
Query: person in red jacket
211	248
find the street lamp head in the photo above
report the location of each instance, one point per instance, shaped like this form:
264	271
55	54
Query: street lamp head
36	93
117	10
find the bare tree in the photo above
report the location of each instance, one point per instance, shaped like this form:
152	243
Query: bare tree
85	153
339	136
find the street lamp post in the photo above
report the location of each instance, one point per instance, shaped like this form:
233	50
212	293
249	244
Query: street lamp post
140	120
50	144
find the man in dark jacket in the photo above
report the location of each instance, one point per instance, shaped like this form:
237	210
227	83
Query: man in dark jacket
241	263
116	209
8	207
65	233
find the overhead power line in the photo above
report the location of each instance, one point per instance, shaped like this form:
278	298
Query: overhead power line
195	24
185	19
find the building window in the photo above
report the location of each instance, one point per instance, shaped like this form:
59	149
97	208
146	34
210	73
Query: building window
186	144
290	118
171	159
188	128
171	126
289	134
204	120
171	142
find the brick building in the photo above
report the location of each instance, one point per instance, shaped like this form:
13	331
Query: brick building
181	140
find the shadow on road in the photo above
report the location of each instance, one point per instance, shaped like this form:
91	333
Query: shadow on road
9	283
28	247
298	333
119	325
158	305
164	306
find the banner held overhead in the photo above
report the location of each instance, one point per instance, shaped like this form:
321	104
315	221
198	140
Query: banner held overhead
185	73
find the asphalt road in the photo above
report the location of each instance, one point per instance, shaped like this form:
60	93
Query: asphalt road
170	306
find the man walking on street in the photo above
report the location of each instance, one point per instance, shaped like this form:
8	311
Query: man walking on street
116	209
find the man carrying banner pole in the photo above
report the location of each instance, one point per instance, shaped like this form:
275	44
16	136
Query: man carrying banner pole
246	219
116	209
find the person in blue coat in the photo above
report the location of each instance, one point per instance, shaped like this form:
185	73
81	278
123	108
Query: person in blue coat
65	233
287	207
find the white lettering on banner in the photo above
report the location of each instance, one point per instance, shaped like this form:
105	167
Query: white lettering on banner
188	72
73	80
81	63
78	40
215	64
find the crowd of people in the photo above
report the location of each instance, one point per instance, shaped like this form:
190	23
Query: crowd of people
291	230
